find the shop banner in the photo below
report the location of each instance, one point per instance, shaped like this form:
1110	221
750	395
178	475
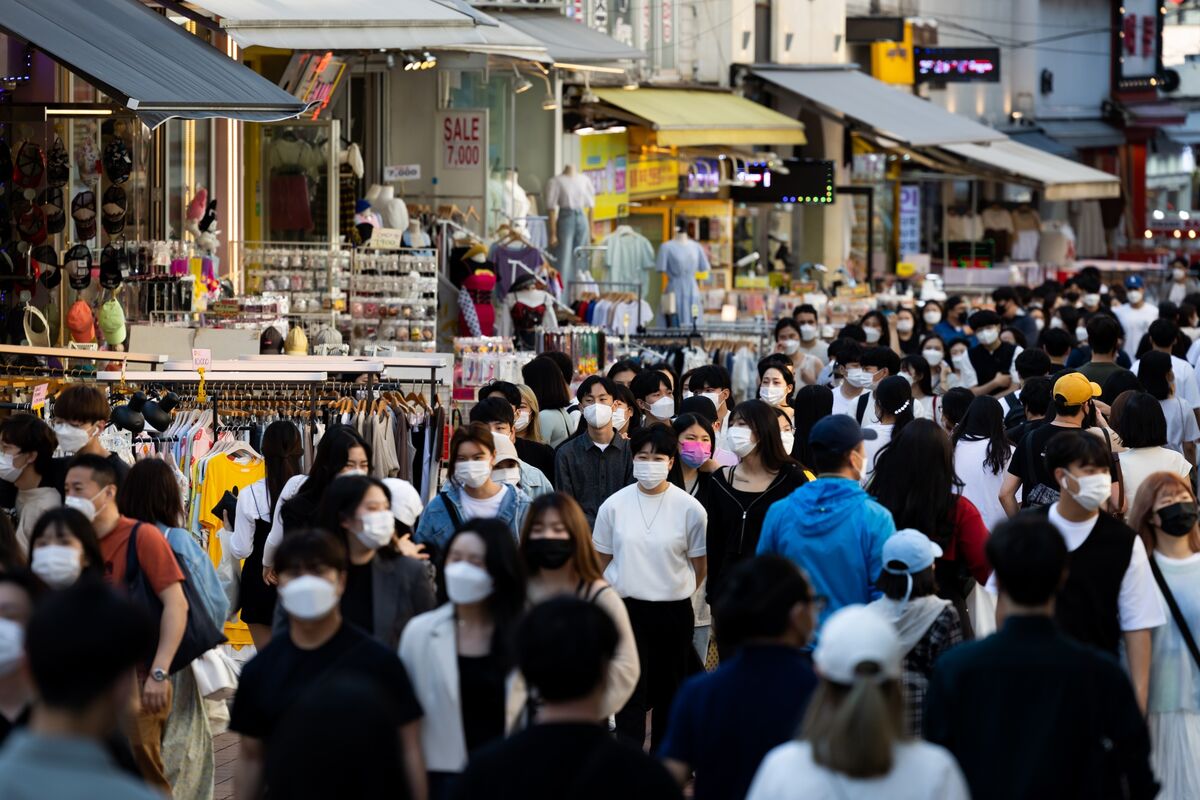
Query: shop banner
464	139
910	219
651	175
604	158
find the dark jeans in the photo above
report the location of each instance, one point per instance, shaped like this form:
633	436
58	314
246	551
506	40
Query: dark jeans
663	632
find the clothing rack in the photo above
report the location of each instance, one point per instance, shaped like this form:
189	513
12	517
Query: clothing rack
601	285
153	360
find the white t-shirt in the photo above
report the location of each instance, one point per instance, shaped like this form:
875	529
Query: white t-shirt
1186	387
1138	606
1181	423
981	487
1142	462
841	405
650	539
873	446
487	508
920	771
817	349
1135	321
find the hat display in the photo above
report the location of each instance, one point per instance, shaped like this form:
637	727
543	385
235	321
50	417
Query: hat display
78	263
297	342
51	201
29	166
112	210
13	259
58	166
406	502
839	433
853	636
33	321
81	323
114	265
117	162
31	223
112	322
158	412
271	342
83	211
1075	388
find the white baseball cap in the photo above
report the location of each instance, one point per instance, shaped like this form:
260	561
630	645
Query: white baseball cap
406	503
505	449
855	635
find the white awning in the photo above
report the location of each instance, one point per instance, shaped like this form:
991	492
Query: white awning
888	112
370	25
568	40
1059	178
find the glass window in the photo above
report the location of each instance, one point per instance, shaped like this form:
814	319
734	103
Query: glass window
189	169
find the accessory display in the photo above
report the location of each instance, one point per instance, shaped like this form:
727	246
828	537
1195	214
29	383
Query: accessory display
83	211
79	266
51	201
114	265
37	334
112	322
31	223
112	210
30	166
58	165
117	162
47	258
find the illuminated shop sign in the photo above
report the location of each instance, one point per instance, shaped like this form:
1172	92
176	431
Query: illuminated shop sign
801	181
956	64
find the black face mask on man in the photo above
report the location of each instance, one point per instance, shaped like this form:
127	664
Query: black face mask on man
1178	519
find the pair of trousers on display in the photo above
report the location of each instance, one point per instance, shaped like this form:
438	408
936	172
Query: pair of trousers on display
572	232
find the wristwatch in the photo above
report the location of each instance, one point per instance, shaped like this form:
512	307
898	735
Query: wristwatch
158	674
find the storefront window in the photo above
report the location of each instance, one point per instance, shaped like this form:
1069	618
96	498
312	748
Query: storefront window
298	198
189	168
494	94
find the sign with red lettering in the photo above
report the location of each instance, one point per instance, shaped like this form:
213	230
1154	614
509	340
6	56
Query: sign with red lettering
464	139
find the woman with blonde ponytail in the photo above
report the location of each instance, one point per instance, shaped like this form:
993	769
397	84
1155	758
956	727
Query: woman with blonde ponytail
853	744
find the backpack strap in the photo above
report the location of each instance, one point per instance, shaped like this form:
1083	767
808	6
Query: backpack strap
862	407
455	518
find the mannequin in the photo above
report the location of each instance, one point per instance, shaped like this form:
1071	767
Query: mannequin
528	307
680	259
414	236
392	210
570	201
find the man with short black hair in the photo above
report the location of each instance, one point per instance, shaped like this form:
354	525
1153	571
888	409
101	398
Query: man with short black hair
1029	363
830	527
1163	333
592	466
1009	307
879	363
723	723
805	315
1057	344
81	414
534	453
564	649
1089	739
1104	333
992	357
713	382
1136	315
81	646
319	643
498	415
1035	404
653	393
27	447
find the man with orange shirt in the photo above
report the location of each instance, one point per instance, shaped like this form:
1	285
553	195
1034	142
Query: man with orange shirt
91	489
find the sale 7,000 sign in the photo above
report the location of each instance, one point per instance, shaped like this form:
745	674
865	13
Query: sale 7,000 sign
463	139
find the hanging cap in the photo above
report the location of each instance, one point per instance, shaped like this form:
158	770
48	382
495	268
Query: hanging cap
31	223
476	251
297	342
58	165
30	166
83	211
117	162
853	636
911	548
79	266
406	502
112	322
114	264
37	327
51	201
271	342
81	323
112	210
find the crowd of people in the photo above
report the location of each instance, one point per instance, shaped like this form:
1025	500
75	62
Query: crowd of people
946	553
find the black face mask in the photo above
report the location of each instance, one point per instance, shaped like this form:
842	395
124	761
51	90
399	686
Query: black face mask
548	553
962	318
1178	519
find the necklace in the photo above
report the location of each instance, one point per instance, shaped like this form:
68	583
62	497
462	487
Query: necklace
649	525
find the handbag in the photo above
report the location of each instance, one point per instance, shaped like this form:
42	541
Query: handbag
1176	612
199	635
216	675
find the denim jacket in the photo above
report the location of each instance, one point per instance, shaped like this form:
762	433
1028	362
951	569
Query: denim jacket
437	525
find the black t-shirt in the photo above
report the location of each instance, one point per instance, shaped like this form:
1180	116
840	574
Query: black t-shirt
566	760
282	674
988	364
1038	486
481	691
358	603
536	454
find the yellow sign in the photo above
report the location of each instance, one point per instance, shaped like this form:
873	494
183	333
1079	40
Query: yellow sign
892	62
604	157
651	175
905	269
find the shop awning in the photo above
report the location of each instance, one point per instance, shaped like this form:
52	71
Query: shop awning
369	25
1059	178
889	113
1153	115
1082	133
144	61
569	41
1036	137
693	118
1188	133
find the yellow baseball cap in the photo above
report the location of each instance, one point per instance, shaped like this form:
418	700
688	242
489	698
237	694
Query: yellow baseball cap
1075	388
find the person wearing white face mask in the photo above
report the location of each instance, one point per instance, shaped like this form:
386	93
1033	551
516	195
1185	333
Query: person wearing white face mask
1182	283
16	692
650	538
497	414
655	397
1109	596
593	465
908	332
810	328
799	343
63	547
26	447
848	355
459	654
1136	315
526	432
876	328
472	492
81	413
318	644
992	357
957	372
775	385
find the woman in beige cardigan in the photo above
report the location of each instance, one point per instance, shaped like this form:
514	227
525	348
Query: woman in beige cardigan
556	544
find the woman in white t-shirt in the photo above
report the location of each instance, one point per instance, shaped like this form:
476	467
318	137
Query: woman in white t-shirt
651	541
894	409
1156	375
915	369
852	743
1143	429
981	456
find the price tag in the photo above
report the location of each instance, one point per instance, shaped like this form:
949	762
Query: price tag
201	359
39	396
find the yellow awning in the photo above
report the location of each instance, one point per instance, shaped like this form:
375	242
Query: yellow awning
690	118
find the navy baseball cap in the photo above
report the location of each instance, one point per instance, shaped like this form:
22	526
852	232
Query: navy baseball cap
839	433
1134	282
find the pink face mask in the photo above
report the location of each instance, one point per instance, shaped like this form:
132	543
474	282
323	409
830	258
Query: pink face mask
695	453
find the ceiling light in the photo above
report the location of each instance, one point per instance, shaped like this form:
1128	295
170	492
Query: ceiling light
410	62
1184	215
522	84
549	104
430	60
631	84
1149	234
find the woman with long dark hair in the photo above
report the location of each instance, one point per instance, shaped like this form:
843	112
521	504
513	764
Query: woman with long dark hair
812	404
908	332
740	495
696	442
384	590
981	456
556	546
894	410
875	326
553	396
915	480
920	377
63	547
459	655
1156	374
281	450
776	383
341	452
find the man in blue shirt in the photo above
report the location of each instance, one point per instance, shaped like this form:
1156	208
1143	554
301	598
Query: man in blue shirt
724	723
830	527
